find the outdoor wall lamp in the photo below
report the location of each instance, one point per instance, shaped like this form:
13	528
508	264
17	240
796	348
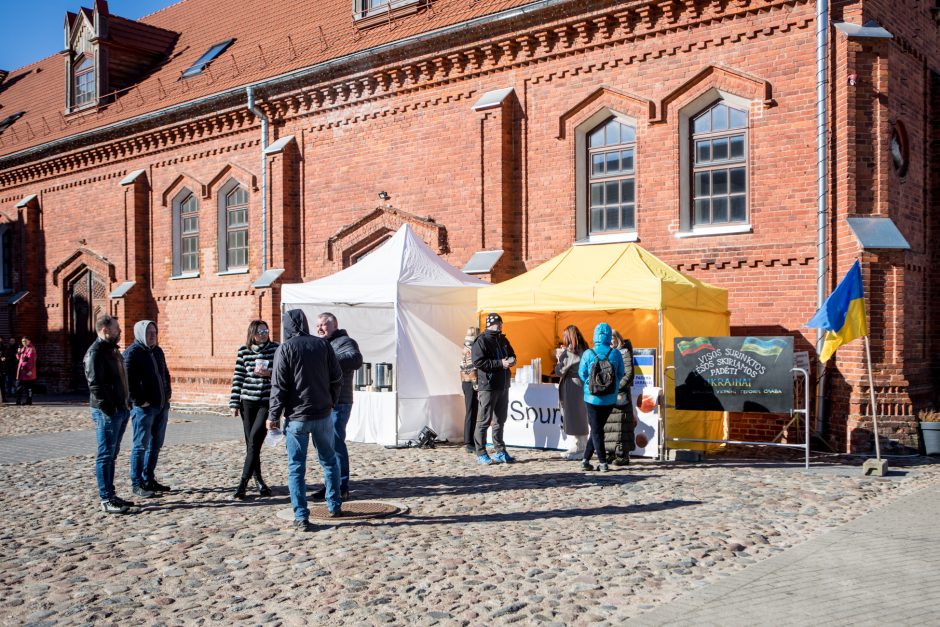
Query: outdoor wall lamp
384	195
853	79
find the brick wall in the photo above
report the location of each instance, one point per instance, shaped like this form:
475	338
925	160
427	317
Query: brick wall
505	178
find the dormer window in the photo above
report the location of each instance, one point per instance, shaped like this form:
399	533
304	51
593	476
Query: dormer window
83	81
208	57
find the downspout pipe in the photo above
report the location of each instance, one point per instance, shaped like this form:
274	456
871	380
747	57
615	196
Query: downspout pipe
822	54
264	175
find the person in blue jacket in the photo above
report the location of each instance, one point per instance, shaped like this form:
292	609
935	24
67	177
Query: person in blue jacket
599	406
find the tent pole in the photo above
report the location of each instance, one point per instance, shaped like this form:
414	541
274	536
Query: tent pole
662	379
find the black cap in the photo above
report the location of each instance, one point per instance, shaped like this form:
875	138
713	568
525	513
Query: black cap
492	319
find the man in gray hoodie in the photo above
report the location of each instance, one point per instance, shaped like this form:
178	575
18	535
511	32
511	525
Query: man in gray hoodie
148	381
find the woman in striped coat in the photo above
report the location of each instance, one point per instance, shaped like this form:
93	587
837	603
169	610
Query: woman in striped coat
251	389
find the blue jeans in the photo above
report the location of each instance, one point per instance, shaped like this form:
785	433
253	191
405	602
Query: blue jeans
149	432
340	418
296	440
109	429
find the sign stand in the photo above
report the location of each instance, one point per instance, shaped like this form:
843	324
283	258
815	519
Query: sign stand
804	411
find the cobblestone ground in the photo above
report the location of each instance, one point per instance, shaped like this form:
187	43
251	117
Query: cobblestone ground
538	541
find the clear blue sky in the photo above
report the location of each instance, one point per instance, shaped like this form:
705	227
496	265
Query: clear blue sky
32	29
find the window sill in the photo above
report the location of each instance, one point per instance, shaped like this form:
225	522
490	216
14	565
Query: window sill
609	238
235	271
716	230
191	275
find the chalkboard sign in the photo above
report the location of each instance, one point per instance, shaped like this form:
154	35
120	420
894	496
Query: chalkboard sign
741	374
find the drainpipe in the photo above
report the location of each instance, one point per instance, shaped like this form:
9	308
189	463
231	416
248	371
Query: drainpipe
264	176
822	53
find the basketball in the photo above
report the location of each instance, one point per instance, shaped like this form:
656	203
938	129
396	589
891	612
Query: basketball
642	440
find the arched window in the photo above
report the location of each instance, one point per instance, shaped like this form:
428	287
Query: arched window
719	166
611	168
6	258
236	228
185	234
83	81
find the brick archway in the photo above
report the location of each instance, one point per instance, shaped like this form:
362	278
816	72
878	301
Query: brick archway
354	241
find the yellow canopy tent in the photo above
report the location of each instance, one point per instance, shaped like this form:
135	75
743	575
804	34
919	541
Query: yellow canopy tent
627	287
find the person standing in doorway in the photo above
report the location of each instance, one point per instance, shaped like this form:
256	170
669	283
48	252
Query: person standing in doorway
108	398
468	382
149	384
601	370
493	356
350	360
251	393
25	371
305	387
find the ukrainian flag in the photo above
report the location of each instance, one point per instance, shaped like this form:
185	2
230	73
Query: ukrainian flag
843	313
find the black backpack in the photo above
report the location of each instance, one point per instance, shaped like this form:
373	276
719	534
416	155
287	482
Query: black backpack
601	379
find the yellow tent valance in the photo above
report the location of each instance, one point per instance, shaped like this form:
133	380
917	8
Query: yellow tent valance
603	277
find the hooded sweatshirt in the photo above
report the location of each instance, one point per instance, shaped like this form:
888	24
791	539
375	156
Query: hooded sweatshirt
601	349
148	378
306	378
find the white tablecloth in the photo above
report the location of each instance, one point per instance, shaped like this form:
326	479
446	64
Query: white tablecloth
373	418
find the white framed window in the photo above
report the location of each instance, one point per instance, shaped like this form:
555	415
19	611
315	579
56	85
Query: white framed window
714	148
606	178
84	86
6	258
185	234
233	226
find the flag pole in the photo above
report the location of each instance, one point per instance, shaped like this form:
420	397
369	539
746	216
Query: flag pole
874	408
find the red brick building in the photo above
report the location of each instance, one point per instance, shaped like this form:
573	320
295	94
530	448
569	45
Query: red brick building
135	177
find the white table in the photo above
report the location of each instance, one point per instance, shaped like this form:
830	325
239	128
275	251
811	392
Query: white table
373	418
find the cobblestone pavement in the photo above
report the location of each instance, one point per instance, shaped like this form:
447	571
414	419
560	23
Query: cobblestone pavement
536	542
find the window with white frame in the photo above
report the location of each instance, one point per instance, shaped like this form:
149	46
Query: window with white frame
83	81
6	258
236	228
719	166
611	154
185	234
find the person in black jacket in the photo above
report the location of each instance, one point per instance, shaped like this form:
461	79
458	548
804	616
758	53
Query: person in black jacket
350	359
108	397
149	383
493	356
305	386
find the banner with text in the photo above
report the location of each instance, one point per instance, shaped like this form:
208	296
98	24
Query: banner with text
740	374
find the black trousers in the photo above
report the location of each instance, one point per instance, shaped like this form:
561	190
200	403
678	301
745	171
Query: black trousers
597	416
471	407
24	388
254	417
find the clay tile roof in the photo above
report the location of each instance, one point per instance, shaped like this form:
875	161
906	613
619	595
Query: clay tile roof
272	37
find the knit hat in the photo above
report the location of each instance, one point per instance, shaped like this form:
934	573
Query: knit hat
492	319
472	333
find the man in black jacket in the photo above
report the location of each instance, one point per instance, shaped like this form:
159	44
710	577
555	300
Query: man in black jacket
492	355
350	359
149	384
305	385
108	397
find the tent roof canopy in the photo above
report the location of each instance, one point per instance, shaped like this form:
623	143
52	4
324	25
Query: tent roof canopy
604	277
404	260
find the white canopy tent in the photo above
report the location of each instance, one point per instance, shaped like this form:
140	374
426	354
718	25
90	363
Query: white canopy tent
406	306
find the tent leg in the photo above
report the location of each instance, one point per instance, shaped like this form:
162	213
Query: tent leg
661	354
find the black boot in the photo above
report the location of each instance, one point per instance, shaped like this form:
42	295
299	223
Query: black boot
263	489
240	491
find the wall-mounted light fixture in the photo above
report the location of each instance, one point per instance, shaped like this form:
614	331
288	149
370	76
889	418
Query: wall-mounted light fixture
853	79
384	195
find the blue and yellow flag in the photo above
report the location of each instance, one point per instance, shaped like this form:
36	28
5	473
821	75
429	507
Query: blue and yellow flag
843	313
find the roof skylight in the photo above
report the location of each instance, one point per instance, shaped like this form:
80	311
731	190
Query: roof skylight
210	55
8	121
